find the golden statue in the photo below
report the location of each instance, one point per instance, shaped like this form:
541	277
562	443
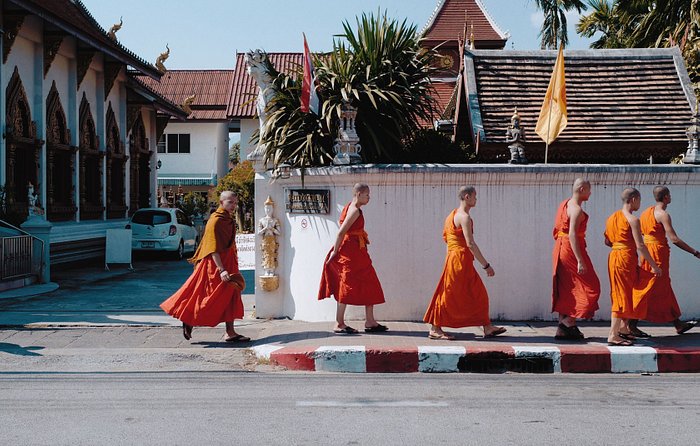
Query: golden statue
269	229
187	102
163	56
112	34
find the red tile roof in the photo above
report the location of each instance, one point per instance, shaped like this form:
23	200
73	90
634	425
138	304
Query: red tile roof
245	90
212	90
447	23
75	19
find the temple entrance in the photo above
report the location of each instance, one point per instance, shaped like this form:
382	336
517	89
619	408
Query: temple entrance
60	160
116	160
23	148
140	169
91	169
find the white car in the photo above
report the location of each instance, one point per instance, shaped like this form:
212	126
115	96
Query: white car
162	229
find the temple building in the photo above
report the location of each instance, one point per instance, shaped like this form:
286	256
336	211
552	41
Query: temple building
193	153
79	128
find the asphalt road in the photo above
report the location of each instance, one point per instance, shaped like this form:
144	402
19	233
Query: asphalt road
327	409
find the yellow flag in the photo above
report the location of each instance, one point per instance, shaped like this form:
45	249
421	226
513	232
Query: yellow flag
552	120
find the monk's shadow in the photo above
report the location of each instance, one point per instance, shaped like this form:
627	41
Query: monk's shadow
15	349
222	344
285	338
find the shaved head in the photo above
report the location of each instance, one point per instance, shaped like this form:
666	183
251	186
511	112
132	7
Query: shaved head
466	190
661	192
358	188
579	183
226	194
629	194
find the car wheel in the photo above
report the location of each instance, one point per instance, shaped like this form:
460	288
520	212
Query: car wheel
180	253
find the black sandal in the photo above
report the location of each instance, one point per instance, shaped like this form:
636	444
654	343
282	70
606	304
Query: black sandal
570	333
187	331
379	328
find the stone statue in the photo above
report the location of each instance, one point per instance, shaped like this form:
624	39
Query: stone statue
692	155
515	138
112	34
31	200
163	56
269	229
257	68
187	102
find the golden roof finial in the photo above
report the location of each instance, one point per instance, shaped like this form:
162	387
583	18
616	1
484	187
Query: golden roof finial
163	56
112	34
187	102
269	201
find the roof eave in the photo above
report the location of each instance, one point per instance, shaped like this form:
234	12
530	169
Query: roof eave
120	55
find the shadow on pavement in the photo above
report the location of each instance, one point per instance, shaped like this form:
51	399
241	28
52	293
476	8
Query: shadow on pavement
18	350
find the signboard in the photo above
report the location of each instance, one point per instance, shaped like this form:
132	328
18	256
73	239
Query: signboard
118	247
308	201
245	244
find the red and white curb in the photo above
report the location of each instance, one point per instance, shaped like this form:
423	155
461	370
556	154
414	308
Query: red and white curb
461	358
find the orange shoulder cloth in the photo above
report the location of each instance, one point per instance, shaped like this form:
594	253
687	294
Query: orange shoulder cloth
218	235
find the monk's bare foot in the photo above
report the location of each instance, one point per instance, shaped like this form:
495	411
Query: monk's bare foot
492	330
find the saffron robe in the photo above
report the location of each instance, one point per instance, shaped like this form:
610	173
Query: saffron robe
350	276
623	268
573	294
460	299
654	297
204	299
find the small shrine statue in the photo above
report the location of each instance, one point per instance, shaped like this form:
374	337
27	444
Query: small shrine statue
515	138
269	229
31	199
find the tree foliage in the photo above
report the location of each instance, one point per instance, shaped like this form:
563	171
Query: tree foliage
241	180
553	31
380	69
644	24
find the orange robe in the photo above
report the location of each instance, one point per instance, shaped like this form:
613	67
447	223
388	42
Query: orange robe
460	299
654	295
350	276
204	299
623	268
573	294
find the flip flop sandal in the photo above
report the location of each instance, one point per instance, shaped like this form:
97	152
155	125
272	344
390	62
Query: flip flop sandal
443	336
686	326
345	330
379	328
238	338
496	332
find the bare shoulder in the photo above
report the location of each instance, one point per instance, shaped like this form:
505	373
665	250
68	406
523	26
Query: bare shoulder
461	218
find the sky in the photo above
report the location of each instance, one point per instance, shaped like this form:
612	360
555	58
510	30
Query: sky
206	34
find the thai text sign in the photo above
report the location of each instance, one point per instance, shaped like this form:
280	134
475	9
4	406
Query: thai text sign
308	201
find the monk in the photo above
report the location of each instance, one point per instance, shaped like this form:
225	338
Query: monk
576	287
654	298
348	274
212	294
460	299
624	236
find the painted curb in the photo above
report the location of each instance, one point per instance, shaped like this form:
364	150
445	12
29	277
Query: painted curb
461	358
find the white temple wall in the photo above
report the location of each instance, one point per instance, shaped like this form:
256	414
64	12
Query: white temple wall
513	228
248	126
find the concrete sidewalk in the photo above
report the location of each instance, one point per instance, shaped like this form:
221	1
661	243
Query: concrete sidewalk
305	346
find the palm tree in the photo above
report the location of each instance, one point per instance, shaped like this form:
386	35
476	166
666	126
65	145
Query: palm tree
381	70
553	31
604	20
640	23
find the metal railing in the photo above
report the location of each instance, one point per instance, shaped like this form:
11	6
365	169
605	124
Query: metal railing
16	255
21	254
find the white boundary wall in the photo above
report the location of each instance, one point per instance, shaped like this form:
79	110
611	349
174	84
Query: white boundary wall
513	227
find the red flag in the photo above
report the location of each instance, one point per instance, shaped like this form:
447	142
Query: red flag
309	97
